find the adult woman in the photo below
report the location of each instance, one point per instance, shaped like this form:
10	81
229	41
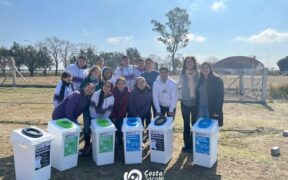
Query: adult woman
140	100
187	83
210	94
121	94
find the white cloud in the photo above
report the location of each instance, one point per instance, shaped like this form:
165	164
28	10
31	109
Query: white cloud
192	38
7	3
120	40
218	6
196	38
267	36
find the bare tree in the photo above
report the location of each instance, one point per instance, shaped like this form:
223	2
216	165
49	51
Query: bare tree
66	52
53	46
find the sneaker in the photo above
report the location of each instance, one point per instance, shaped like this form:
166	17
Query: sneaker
187	150
86	150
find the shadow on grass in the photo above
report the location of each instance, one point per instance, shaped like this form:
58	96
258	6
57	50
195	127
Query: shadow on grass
265	105
86	169
184	168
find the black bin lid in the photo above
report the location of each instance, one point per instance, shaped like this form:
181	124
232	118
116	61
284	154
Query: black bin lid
160	121
32	132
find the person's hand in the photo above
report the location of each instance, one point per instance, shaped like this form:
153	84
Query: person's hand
100	111
158	114
216	115
172	114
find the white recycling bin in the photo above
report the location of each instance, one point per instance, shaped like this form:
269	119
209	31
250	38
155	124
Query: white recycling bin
103	141
132	129
161	139
32	148
64	148
205	142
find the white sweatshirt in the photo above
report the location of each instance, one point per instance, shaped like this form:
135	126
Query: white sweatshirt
165	94
68	90
128	73
78	74
106	107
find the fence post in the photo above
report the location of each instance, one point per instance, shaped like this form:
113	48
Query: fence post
13	71
241	83
264	85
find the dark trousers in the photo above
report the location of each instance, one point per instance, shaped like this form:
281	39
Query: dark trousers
149	115
165	110
118	124
87	124
189	115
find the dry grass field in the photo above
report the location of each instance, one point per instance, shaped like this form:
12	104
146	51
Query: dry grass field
249	132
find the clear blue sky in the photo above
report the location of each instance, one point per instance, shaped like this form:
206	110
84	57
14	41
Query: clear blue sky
220	28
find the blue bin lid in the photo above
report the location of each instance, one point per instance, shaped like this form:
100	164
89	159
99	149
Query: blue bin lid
132	122
205	123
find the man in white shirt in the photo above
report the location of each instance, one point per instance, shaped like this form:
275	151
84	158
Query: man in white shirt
126	70
79	71
165	94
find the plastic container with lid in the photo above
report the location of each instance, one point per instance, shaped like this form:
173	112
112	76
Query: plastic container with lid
161	139
103	140
65	147
132	129
205	142
32	149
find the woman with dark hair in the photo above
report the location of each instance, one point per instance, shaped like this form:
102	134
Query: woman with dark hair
107	74
210	94
63	88
121	94
102	102
140	100
187	83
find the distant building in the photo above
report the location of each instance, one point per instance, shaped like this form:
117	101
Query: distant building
232	65
283	64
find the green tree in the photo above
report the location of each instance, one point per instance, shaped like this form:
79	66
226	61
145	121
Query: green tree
17	52
54	48
44	60
133	55
4	53
30	59
112	59
174	34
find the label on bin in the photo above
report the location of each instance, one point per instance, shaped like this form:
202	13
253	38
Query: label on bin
70	144
132	141
42	155
105	142
157	140
202	142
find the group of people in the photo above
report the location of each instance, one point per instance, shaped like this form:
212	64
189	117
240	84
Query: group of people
137	91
